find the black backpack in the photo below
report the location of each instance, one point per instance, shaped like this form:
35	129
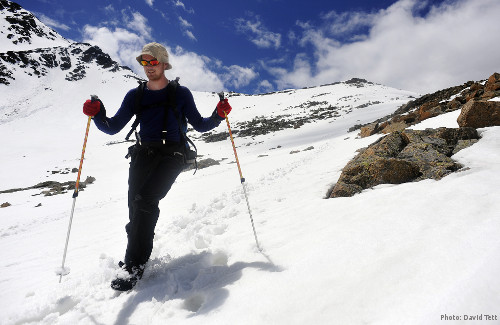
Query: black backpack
189	154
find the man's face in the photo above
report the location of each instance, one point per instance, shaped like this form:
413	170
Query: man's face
155	72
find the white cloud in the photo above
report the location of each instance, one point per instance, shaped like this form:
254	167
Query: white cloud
347	22
194	71
185	23
300	76
237	76
190	35
258	33
137	23
51	22
453	43
149	2
181	4
185	26
264	87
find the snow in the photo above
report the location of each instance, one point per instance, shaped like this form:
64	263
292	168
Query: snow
394	254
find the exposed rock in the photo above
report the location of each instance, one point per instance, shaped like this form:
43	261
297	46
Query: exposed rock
406	156
429	110
393	127
358	82
204	163
479	114
5	204
370	129
50	188
215	137
493	83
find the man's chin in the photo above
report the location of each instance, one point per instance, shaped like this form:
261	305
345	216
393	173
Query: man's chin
153	77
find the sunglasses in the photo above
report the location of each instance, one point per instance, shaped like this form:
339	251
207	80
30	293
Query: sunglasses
152	62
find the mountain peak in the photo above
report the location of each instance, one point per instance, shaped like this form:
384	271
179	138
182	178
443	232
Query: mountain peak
21	30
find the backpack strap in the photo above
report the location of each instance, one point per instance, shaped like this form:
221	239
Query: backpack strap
137	111
181	121
171	104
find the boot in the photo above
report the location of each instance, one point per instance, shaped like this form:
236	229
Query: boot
128	282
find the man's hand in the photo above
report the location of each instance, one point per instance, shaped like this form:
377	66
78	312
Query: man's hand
223	108
91	108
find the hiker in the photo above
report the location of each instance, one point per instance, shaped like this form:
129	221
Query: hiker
159	155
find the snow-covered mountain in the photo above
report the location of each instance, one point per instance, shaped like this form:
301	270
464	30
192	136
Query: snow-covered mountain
20	30
416	253
32	75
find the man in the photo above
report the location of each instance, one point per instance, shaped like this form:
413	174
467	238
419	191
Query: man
158	157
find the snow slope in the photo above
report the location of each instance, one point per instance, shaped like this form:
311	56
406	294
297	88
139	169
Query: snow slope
395	254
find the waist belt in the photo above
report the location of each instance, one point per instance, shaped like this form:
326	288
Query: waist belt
159	144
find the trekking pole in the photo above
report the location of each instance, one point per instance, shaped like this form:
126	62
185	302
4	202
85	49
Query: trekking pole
242	179
75	193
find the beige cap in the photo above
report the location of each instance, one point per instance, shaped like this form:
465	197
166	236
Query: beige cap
158	51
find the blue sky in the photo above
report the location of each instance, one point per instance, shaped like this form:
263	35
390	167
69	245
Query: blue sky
257	46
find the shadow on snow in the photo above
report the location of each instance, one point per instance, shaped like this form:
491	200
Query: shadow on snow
197	279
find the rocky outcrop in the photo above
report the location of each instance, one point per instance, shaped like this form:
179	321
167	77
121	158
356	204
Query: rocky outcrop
404	156
431	105
480	114
50	188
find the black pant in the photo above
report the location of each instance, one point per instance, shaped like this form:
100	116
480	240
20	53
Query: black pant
153	170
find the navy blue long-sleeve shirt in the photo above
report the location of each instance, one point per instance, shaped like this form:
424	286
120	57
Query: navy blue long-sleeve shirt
152	118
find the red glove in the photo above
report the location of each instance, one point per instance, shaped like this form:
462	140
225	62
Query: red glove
223	108
91	108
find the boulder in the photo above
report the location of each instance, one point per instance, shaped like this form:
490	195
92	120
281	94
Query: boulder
492	87
479	114
404	156
369	129
429	110
493	82
394	127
